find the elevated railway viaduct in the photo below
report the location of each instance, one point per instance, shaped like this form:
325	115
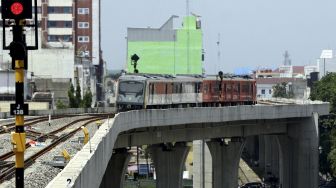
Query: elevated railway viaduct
102	163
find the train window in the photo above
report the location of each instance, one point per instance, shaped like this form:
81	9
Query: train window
176	88
189	87
181	88
197	87
166	88
130	87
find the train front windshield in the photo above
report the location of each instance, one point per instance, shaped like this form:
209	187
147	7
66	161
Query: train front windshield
131	87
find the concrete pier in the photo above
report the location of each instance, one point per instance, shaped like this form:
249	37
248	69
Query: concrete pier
169	164
225	161
299	154
115	172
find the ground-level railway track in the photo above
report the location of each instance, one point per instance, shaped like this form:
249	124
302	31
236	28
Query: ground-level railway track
10	171
32	121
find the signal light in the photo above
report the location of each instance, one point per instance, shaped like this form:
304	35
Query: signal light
17	50
16	9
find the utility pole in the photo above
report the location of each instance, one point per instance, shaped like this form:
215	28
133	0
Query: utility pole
14	15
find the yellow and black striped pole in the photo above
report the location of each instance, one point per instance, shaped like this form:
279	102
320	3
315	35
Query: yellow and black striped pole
19	109
14	15
19	124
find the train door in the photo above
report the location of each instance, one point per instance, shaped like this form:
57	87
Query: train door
198	92
176	93
151	94
228	91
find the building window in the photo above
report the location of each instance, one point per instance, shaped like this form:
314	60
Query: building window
59	10
83	11
58	38
83	24
270	91
67	10
263	91
83	39
60	24
68	24
52	24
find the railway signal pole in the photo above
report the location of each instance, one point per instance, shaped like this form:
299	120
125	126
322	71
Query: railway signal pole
14	14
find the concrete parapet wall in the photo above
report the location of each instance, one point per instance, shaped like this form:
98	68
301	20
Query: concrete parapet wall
87	169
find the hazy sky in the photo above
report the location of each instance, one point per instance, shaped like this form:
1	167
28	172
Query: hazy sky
254	33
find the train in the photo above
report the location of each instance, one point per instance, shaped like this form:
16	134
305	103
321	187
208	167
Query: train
143	91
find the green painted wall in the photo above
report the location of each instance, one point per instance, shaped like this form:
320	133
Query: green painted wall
170	57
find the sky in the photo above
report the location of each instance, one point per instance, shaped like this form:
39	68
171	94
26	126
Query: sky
253	33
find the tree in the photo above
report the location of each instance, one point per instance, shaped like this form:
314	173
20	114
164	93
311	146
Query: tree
60	105
325	90
72	100
78	97
87	99
280	91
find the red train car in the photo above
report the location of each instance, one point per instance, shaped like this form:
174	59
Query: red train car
228	91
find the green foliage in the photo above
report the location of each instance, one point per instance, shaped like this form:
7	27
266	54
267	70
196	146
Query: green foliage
325	90
78	97
87	99
332	154
279	91
71	95
60	105
75	99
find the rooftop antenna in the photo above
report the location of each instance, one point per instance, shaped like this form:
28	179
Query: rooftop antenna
218	52
287	60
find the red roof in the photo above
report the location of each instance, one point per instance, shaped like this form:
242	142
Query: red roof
298	69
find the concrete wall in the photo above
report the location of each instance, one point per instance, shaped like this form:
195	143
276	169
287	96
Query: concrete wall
87	169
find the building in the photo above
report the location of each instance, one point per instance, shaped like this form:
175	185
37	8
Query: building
326	65
68	34
166	50
296	85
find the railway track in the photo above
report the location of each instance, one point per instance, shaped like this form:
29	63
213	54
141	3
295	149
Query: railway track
10	171
32	121
41	136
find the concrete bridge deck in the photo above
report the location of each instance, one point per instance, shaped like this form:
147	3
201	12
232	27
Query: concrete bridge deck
87	169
